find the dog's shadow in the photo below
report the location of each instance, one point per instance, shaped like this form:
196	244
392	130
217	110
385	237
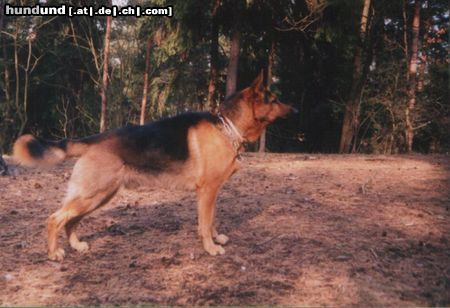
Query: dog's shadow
152	225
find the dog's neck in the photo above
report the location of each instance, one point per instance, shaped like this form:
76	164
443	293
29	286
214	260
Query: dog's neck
242	118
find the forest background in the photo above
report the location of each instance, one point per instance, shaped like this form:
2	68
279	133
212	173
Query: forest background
367	76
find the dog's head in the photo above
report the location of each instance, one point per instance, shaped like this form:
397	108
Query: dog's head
266	105
258	107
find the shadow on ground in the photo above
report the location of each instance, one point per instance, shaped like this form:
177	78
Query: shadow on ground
305	230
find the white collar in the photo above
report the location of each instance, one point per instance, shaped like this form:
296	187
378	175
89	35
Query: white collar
231	131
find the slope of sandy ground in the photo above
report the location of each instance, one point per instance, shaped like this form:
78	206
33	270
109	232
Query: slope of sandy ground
304	230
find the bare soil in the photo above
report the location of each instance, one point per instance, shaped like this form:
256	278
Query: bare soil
304	230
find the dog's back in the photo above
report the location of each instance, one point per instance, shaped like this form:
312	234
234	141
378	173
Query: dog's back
151	148
156	147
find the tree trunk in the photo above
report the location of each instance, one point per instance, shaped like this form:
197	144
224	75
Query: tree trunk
25	88
214	51
233	64
405	37
147	69
409	131
104	86
351	114
421	74
5	55
6	73
262	139
234	51
17	81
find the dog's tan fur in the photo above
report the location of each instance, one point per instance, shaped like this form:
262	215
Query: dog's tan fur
101	172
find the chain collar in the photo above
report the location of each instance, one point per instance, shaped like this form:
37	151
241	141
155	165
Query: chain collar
232	132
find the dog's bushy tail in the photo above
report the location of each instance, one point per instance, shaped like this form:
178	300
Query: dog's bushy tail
31	151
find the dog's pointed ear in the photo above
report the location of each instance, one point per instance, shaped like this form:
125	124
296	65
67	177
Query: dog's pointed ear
258	83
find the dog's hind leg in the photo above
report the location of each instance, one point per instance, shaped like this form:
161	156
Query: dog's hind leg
55	222
90	205
74	242
88	190
69	216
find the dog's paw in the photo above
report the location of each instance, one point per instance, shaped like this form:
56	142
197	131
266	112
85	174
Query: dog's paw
57	255
221	239
214	249
81	247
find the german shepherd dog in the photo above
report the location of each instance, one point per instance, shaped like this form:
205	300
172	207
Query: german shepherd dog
197	151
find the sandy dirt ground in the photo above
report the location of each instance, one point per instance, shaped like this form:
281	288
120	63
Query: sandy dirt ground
304	230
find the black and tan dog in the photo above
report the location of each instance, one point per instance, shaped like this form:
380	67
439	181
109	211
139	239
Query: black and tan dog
198	151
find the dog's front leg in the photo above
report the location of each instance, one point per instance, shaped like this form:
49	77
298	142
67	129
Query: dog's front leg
221	239
206	196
